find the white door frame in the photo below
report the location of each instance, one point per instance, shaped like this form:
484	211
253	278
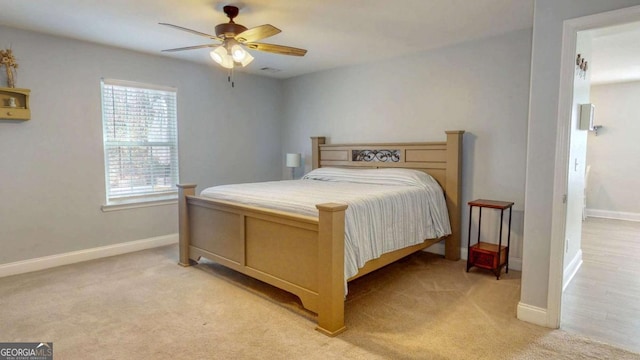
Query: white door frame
565	107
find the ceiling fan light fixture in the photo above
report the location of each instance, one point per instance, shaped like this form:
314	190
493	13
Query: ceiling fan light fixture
215	55
235	41
227	62
247	59
238	53
222	57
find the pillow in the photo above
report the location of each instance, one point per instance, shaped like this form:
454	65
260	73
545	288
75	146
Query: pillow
387	176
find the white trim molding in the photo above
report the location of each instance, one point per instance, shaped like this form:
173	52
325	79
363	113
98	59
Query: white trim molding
571	270
139	204
438	249
532	314
570	31
47	262
617	215
515	263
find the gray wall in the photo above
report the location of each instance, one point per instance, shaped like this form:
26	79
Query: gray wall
481	87
52	174
543	122
614	179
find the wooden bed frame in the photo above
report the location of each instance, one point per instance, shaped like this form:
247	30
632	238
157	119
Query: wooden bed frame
305	255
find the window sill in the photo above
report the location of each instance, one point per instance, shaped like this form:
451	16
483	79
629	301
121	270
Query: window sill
138	203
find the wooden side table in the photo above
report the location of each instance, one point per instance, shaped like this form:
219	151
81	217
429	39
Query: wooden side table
488	255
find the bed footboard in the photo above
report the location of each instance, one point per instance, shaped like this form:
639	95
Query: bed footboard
300	254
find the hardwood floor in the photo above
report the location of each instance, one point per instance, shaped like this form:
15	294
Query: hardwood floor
603	299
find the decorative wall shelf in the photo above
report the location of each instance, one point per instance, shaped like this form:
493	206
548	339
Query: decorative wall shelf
14	104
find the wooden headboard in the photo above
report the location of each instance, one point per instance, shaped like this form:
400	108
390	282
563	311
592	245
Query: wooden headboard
442	160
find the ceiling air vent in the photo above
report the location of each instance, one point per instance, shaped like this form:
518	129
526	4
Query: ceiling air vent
270	70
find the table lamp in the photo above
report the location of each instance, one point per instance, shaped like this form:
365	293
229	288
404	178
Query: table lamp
293	161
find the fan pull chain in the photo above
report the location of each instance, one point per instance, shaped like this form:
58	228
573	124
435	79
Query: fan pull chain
230	77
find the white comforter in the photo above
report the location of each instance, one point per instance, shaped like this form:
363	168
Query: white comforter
388	209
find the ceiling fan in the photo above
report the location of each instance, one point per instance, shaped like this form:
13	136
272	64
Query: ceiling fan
234	37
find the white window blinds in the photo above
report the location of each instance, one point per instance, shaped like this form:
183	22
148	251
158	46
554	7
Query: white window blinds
140	141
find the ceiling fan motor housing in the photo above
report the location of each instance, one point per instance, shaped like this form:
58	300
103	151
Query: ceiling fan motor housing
229	30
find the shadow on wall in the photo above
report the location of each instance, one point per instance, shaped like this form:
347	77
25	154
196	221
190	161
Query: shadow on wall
468	172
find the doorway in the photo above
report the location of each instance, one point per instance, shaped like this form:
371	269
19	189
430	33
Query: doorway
600	302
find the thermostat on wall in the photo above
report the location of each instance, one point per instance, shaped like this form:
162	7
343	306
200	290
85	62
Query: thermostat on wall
586	116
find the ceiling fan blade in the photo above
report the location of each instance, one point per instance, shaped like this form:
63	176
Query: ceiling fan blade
278	49
257	33
191	47
191	31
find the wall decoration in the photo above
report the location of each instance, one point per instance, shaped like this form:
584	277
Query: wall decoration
582	65
14	104
10	65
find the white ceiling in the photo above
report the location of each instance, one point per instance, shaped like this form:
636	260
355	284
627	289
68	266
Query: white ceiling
616	54
335	32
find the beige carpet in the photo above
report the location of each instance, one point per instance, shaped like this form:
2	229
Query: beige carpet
143	305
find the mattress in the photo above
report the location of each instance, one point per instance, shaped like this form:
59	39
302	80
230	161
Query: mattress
388	209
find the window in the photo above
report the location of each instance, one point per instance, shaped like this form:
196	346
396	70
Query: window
140	142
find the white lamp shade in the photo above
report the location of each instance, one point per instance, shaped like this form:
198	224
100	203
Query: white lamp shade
222	57
227	62
217	54
247	59
293	160
238	53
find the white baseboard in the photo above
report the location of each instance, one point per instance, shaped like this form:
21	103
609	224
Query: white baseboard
571	269
47	262
514	263
532	314
438	249
608	214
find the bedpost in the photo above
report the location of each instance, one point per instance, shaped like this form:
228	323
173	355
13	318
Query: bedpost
316	141
331	268
453	191
184	190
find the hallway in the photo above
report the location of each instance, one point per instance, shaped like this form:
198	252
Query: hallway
603	299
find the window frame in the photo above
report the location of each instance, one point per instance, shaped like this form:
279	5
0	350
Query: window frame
127	201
